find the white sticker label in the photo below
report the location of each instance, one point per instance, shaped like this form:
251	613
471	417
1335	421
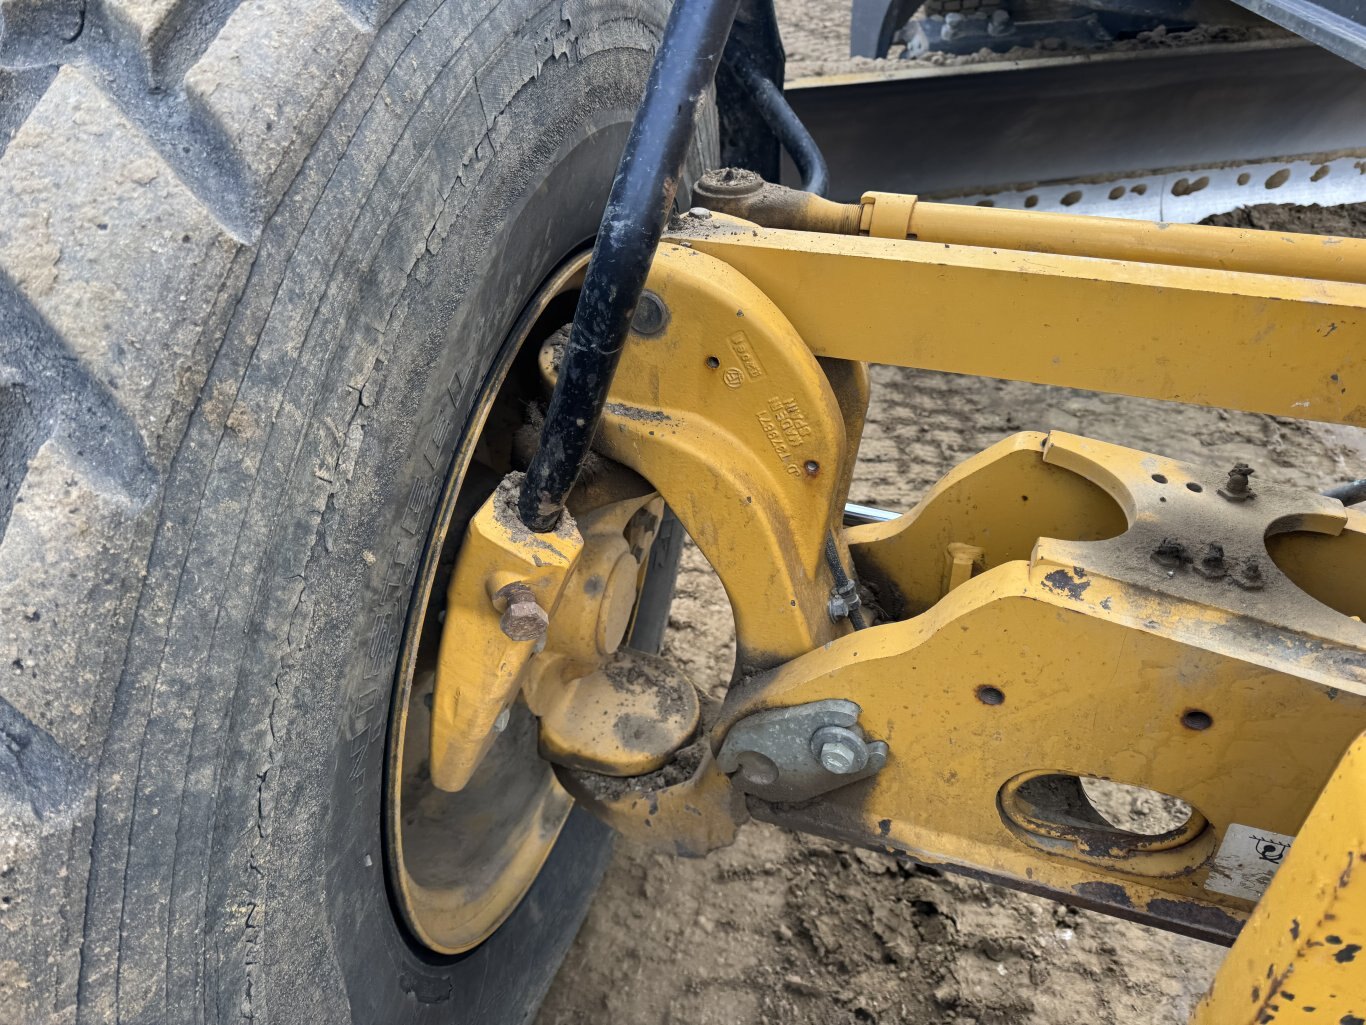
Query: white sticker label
1247	860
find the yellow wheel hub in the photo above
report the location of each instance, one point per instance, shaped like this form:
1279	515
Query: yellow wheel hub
460	862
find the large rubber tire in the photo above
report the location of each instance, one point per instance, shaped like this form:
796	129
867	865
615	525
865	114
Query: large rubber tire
255	259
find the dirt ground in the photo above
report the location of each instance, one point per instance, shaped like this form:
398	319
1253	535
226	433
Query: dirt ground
788	929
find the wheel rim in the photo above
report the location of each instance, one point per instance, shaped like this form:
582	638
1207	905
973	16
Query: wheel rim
458	864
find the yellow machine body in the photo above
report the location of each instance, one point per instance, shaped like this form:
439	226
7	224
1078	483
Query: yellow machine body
1055	611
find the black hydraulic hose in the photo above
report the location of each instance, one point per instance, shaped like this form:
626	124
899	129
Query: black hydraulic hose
640	202
1350	493
787	126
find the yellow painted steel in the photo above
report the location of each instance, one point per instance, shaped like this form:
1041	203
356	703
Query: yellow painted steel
586	574
480	667
892	215
452	897
691	818
1056	609
1281	253
887	215
1083	656
1302	955
602	707
1290	346
852	386
727	413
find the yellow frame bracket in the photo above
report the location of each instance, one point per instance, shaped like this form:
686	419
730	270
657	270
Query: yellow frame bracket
1092	655
479	666
1302	955
1254	337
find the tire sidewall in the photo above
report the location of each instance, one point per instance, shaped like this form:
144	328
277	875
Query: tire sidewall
300	924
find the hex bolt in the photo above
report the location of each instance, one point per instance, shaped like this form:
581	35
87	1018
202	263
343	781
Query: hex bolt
651	315
700	212
1238	488
839	749
523	619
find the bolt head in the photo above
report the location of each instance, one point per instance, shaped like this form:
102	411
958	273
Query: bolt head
501	723
524	620
839	750
838	757
651	315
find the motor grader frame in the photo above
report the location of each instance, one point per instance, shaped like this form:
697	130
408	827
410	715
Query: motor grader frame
1055	610
944	684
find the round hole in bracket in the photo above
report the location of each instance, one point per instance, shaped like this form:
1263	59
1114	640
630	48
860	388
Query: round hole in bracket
1330	568
1104	821
758	768
1195	719
989	695
1160	478
1192	486
713	362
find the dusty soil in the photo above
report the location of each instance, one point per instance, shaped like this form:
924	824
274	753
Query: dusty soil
787	929
1348	219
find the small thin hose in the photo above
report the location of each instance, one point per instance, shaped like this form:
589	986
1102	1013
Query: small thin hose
844	586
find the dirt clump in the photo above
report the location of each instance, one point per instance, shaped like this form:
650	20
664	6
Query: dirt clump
1348	220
